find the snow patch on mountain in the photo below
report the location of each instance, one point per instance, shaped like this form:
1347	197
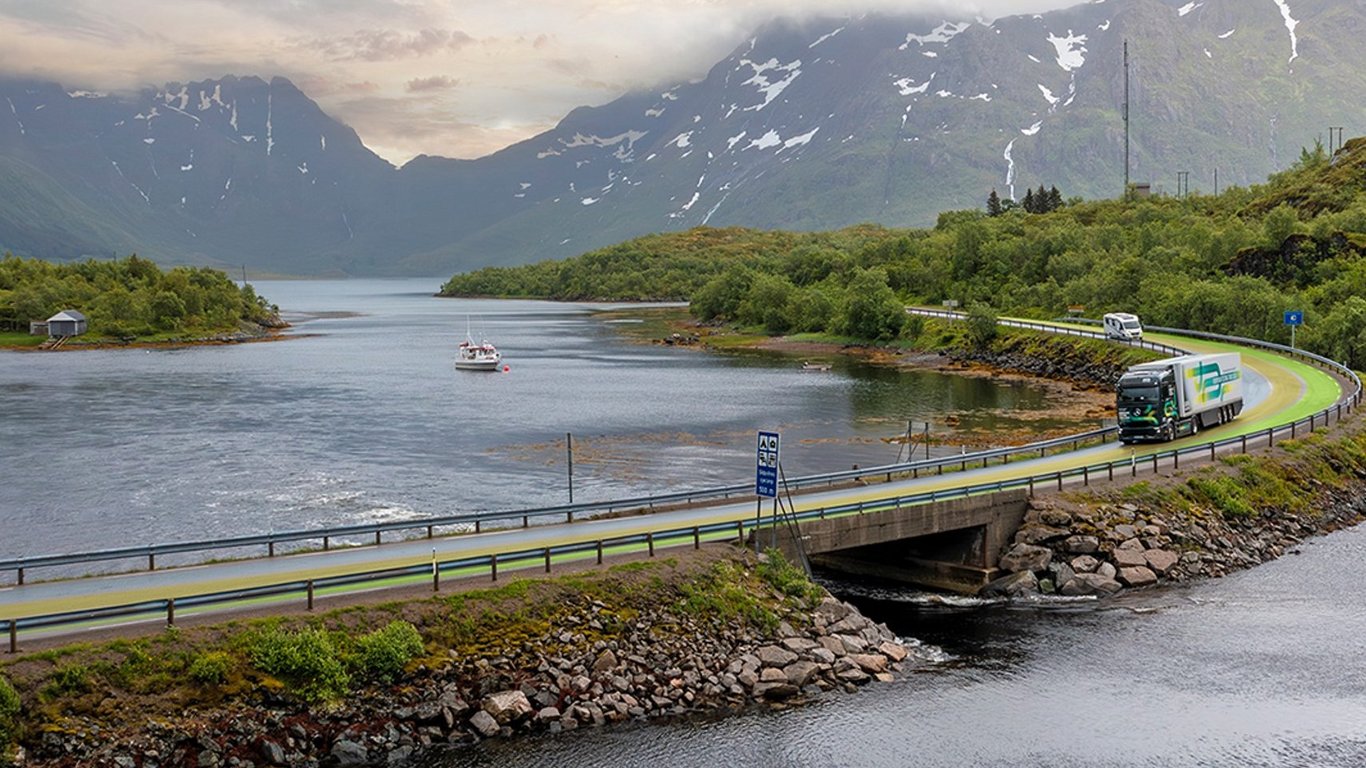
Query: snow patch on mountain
905	88
929	54
980	97
1048	95
270	130
825	37
1033	129
940	34
682	140
770	139
182	96
654	112
624	142
1187	8
1228	34
797	141
1033	58
1104	26
770	89
323	141
1208	55
1071	52
87	94
1290	24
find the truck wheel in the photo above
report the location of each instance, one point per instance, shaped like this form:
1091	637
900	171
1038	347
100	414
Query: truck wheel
1195	425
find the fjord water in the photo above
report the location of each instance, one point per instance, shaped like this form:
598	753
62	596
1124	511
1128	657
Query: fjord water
363	418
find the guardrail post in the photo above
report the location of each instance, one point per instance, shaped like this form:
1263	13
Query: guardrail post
740	531
1270	436
1211	451
476	526
1292	430
13	636
696	537
547	559
569	514
270	549
21	577
151	562
1060	480
1031	485
1244	443
309	588
1111	468
493	566
599	551
1085	476
1154	463
327	543
377	538
170	612
650	542
525	522
1176	459
429	531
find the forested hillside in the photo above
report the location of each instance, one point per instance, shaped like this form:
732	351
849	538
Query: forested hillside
127	298
1230	263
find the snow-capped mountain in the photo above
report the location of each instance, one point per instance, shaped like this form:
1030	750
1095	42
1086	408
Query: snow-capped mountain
809	125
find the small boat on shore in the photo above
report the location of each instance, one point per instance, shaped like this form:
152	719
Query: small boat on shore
819	367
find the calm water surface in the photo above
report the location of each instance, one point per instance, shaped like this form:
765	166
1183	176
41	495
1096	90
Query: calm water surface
365	419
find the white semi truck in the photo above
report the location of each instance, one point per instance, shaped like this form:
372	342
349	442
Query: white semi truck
1178	396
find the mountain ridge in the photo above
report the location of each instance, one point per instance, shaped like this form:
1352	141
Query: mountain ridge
806	125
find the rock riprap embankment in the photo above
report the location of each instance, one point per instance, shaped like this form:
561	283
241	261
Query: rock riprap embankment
1075	549
659	663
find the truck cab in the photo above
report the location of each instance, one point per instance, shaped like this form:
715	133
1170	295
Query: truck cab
1122	326
1146	405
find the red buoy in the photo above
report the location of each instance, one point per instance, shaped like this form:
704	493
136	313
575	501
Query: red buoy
506	369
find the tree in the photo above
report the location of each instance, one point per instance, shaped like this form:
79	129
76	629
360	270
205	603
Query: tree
993	204
1028	203
1054	199
981	325
872	310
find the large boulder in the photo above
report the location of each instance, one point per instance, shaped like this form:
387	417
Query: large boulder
1090	584
507	706
1160	560
1081	545
1129	558
1015	584
1026	557
1141	576
775	656
484	724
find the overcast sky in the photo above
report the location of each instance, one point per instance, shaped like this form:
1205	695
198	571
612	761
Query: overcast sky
459	78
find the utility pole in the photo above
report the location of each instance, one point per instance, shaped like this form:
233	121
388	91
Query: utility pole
1183	183
569	448
1334	146
1126	119
1216	182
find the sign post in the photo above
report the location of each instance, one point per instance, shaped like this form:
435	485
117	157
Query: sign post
765	476
1293	317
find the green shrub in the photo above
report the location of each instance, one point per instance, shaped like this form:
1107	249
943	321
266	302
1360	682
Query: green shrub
9	716
384	652
70	679
211	668
788	578
307	661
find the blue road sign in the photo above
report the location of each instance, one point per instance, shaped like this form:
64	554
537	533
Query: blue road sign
1294	317
766	466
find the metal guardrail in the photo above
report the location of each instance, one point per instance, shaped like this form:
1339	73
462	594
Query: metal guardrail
663	538
1057	329
477	520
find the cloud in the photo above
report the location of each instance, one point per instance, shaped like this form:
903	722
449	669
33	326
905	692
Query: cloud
387	44
434	83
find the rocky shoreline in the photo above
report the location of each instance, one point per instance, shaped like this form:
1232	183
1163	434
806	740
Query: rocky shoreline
1090	547
658	662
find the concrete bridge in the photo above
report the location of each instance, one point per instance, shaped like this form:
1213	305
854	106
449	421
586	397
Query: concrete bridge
952	545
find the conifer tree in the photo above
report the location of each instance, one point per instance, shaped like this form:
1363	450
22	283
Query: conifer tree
1029	205
993	204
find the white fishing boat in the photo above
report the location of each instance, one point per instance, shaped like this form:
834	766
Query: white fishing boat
477	356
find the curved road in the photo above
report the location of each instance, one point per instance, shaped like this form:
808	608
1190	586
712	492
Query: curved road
1280	390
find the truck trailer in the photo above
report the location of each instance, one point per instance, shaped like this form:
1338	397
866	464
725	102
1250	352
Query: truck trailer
1179	396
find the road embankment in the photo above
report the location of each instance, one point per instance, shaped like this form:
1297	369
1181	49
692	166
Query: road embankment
713	630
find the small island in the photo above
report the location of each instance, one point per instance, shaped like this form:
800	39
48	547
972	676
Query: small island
125	302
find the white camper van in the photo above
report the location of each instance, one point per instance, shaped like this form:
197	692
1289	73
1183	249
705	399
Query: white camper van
1122	326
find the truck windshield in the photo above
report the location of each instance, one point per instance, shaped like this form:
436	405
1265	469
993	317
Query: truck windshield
1132	325
1138	395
